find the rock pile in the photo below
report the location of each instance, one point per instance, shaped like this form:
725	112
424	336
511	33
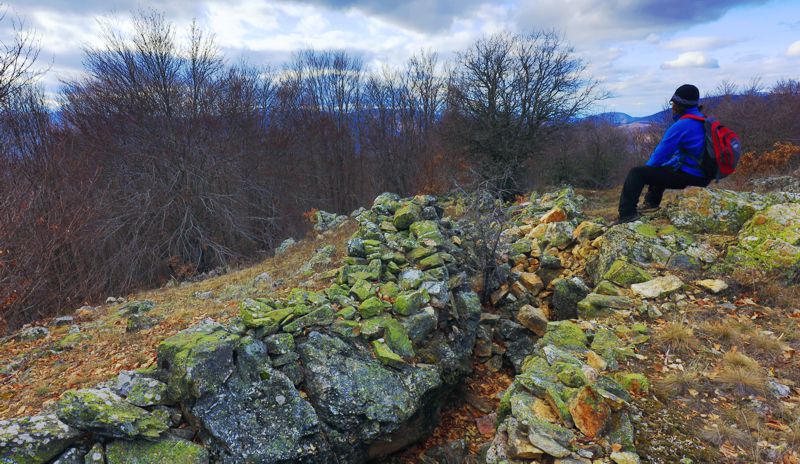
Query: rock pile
358	370
349	373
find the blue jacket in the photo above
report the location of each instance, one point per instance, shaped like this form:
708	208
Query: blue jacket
683	138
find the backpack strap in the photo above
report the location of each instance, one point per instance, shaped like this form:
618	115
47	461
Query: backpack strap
692	116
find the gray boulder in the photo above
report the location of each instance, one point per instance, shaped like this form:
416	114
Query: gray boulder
367	407
34	440
566	295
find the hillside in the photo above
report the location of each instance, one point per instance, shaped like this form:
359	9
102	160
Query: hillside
671	339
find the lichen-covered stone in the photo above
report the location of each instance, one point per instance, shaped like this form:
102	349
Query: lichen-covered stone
385	354
420	325
96	455
105	413
589	412
260	417
595	305
406	215
137	307
566	295
397	338
411	279
169	450
716	211
196	360
408	303
769	242
362	290
280	344
362	400
146	392
35	439
624	273
427	231
322	316
635	383
371	307
565	334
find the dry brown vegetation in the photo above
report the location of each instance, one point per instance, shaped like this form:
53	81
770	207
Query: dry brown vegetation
41	373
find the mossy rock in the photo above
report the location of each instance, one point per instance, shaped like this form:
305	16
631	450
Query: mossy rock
371	307
322	316
256	314
386	356
406	215
397	338
34	440
634	383
427	230
607	288
624	273
196	360
105	413
72	340
769	242
170	450
566	335
595	305
409	303
716	211
362	290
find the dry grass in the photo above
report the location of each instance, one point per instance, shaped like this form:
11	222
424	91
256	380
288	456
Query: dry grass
720	433
726	331
766	344
678	383
741	374
677	337
46	374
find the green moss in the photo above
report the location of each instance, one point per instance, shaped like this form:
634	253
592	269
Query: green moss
397	338
624	273
565	334
646	229
570	374
106	413
168	450
406	215
427	230
371	307
632	382
408	303
385	355
195	359
70	341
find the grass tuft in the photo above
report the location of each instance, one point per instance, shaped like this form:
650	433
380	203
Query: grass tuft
678	383
741	374
677	337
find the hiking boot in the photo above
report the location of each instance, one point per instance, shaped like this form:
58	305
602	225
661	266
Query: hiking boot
648	208
626	219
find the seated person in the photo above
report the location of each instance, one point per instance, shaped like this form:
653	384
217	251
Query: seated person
676	163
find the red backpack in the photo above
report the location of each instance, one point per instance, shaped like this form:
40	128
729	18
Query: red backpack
723	148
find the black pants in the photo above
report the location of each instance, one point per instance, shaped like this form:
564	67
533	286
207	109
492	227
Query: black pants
659	179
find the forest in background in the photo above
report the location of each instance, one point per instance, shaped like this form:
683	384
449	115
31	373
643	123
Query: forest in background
165	160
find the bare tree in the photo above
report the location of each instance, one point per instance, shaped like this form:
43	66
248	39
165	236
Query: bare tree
17	58
511	91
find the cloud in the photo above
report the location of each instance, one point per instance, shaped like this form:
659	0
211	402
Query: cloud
794	49
421	15
701	43
592	20
691	60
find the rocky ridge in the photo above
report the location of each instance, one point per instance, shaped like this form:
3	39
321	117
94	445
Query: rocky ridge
359	370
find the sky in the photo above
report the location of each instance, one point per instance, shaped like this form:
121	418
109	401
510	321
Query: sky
640	50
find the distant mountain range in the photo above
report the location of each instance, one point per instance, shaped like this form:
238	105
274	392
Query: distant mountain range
623	119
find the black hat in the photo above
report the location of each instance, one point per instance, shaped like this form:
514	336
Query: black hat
687	95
